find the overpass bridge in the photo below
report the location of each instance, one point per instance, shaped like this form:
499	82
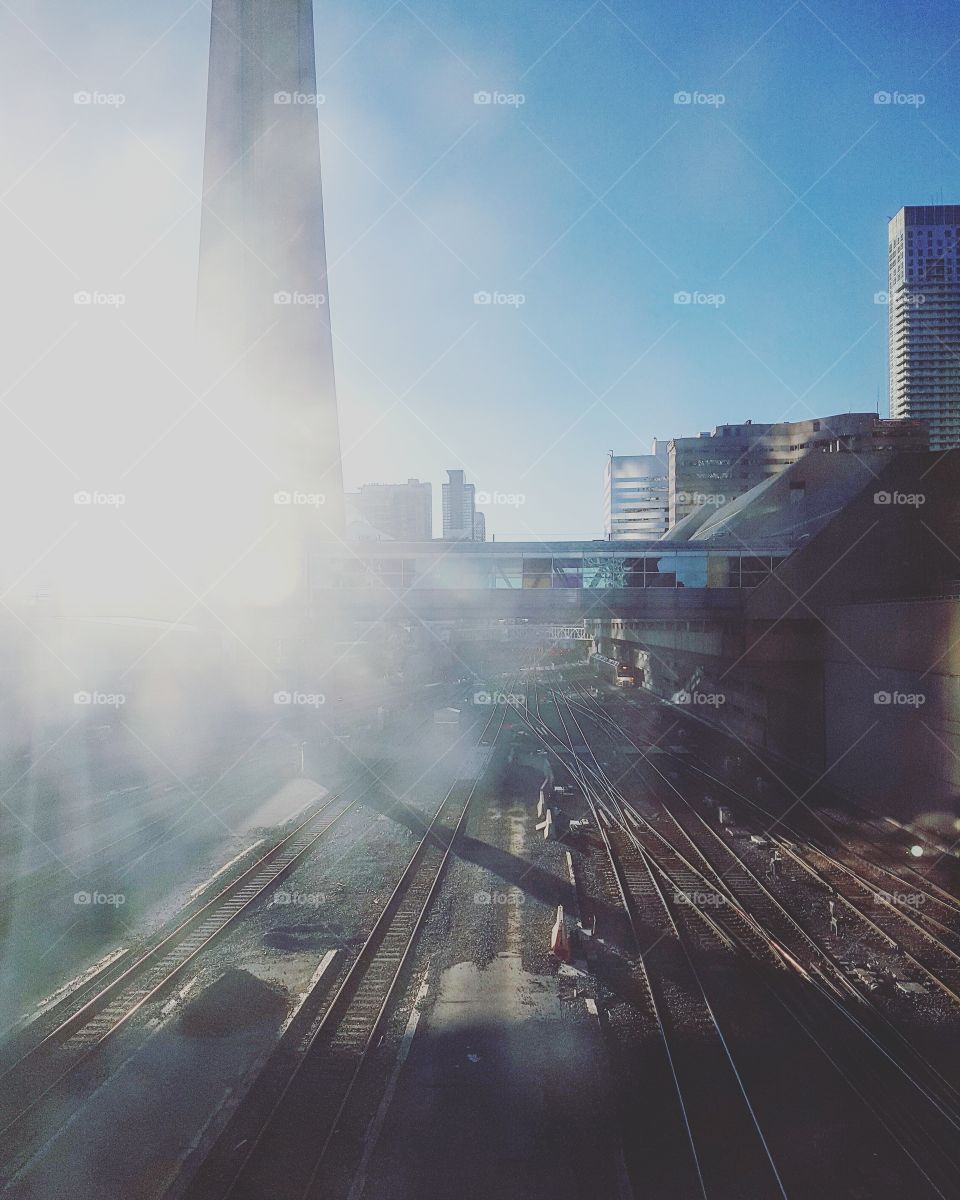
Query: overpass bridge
555	583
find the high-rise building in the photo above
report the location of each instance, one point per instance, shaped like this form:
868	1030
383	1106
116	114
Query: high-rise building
263	312
401	511
479	526
635	495
717	467
460	509
923	292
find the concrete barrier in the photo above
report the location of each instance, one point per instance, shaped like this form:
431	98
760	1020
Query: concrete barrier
560	939
547	826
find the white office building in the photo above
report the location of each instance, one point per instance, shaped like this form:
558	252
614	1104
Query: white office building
635	495
924	330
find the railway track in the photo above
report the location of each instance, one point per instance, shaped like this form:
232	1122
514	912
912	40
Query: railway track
20	1036
891	918
286	1153
897	1091
897	875
729	872
719	852
900	908
937	899
151	807
916	916
728	1154
155	816
40	1086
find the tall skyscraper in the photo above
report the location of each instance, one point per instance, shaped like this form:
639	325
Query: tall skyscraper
459	508
263	303
402	511
635	497
924	331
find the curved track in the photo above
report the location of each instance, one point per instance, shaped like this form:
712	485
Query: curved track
287	1152
697	863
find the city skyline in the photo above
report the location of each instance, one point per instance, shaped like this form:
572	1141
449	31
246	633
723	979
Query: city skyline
538	326
353	849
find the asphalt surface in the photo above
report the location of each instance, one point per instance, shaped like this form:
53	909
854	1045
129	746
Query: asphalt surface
506	1090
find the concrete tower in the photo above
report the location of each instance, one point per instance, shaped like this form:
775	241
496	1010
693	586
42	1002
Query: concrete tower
263	303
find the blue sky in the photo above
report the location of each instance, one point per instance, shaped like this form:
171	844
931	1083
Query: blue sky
594	200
